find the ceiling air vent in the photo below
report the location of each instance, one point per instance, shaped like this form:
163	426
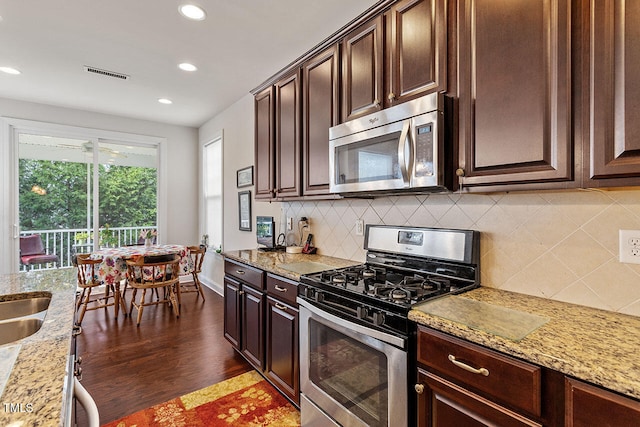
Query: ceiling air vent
106	73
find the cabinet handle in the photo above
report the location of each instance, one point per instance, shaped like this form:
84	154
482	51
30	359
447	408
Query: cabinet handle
391	97
280	288
481	371
281	307
240	272
376	103
419	388
241	293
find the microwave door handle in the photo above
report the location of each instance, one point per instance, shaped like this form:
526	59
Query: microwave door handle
402	151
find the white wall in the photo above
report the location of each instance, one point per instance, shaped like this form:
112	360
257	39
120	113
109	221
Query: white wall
182	150
236	124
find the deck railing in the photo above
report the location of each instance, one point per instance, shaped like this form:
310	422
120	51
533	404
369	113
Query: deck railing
64	244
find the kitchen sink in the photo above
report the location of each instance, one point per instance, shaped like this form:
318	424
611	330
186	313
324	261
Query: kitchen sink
22	316
13	330
23	307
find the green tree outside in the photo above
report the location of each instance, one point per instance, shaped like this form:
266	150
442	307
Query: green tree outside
53	195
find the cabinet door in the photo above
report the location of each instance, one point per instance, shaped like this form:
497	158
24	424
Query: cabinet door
362	70
514	91
588	406
320	112
442	403
252	326
264	148
282	348
232	312
615	90
417	49
288	136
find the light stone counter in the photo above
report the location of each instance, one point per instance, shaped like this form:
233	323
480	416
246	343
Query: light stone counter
35	390
596	346
276	262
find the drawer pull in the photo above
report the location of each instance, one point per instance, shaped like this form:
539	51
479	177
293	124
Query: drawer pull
419	388
281	307
240	271
280	288
481	371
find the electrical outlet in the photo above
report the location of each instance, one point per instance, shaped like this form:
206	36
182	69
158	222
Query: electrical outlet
630	246
359	227
289	223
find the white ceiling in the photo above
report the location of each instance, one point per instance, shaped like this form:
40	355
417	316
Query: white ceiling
240	44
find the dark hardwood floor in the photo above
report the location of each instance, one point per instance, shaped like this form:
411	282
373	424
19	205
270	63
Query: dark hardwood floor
127	368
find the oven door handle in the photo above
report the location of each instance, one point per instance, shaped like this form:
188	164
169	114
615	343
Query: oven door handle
382	336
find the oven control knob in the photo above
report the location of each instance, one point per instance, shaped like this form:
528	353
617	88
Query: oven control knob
308	292
378	319
362	312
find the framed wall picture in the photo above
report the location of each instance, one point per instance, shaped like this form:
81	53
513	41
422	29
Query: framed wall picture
244	210
244	177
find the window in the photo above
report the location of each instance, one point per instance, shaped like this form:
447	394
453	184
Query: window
212	191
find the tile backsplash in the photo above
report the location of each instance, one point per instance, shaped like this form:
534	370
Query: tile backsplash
558	245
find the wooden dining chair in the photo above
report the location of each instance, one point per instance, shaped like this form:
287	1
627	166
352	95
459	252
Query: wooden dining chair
87	273
197	256
154	273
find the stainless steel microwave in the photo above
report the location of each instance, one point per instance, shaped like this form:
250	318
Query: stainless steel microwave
396	149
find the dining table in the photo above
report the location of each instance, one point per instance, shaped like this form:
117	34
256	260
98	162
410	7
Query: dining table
113	268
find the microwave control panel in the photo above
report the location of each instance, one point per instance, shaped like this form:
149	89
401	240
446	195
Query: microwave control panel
424	150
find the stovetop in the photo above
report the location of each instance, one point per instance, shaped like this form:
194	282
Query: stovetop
389	288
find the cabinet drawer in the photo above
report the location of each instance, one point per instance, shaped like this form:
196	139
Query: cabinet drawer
505	379
282	289
249	275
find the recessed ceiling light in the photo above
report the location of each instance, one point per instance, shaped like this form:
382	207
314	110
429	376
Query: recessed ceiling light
9	70
165	101
192	11
185	66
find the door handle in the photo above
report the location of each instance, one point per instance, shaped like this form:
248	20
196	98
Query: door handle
402	151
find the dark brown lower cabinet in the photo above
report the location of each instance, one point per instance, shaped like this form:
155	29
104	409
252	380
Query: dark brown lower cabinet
232	312
282	348
252	326
261	323
588	406
244	320
442	403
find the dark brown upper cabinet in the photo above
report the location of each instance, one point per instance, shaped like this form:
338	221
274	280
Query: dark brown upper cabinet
288	108
614	127
264	144
417	35
514	91
320	111
362	70
394	57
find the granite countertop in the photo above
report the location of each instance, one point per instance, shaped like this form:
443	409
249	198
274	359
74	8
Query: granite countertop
36	385
596	346
284	264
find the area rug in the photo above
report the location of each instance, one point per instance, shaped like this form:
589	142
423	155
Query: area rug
245	400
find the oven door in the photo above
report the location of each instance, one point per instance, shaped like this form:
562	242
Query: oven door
351	374
371	160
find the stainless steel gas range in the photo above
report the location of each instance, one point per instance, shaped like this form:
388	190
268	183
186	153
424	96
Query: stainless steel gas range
355	335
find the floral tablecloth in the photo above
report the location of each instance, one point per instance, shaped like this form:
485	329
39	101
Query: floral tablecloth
113	267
